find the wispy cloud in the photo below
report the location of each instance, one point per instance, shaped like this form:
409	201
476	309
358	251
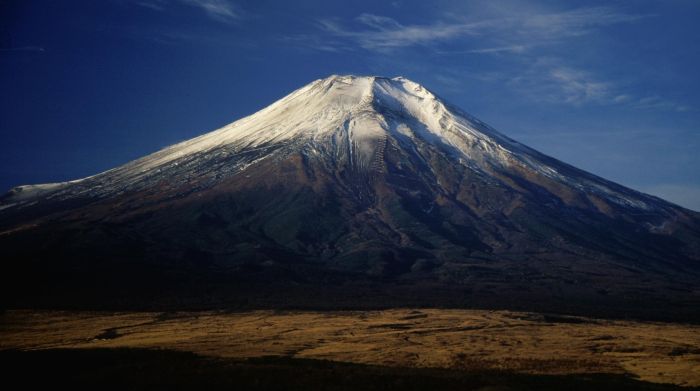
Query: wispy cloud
550	80
381	33
156	5
622	98
658	103
219	10
499	49
575	22
516	33
312	42
533	41
577	86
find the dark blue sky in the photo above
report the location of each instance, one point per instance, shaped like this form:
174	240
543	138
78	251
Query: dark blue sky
611	86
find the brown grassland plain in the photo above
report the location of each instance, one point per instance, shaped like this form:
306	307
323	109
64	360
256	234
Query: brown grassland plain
517	342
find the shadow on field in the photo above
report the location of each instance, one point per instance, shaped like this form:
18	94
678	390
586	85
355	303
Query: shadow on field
164	369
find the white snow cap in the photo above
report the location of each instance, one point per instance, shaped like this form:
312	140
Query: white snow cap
363	111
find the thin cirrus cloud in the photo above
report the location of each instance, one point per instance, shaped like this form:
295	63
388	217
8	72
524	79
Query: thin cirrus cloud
659	103
219	10
381	33
575	22
375	32
386	33
547	80
518	35
499	49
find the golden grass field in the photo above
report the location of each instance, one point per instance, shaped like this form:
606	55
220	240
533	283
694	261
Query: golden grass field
469	339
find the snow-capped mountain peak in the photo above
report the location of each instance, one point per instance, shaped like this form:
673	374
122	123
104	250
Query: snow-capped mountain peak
348	120
353	180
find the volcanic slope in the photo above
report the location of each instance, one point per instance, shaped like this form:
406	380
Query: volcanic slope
350	192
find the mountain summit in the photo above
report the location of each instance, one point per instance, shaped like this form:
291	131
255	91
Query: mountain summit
349	187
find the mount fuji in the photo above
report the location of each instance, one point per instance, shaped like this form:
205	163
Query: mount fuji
350	192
